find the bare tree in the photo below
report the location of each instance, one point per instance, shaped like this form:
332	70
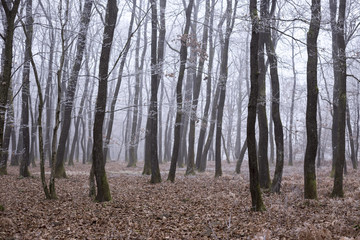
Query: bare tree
25	158
179	98
6	68
257	203
312	99
71	89
341	112
103	190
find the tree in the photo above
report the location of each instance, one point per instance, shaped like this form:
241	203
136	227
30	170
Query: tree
256	199
179	98
6	68
103	190
24	171
222	83
312	99
341	113
196	91
151	149
124	54
275	101
71	88
264	172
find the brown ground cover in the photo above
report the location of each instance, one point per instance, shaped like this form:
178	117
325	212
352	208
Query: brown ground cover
194	207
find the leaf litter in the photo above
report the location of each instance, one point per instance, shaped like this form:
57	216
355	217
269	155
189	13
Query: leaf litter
194	207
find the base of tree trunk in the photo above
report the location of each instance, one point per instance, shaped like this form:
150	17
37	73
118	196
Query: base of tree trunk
60	172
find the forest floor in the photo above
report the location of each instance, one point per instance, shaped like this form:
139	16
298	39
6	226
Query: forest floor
194	207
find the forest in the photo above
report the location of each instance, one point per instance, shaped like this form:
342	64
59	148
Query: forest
181	119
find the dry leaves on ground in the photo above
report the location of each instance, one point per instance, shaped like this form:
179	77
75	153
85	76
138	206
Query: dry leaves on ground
194	207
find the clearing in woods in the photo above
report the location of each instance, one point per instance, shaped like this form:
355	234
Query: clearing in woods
194	207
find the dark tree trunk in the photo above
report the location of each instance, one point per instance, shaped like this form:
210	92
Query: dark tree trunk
291	155
179	98
341	112
222	84
275	106
257	203
161	54
5	74
351	138
335	59
196	91
151	147
201	165
25	157
319	156
8	134
312	99
71	89
103	190
118	83
134	138
240	159
264	172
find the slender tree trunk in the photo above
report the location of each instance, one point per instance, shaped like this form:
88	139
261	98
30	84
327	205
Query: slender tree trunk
151	147
103	190
275	95
264	172
312	99
256	199
291	155
25	157
201	165
6	68
351	138
118	83
222	84
179	98
319	156
335	59
196	91
71	89
341	113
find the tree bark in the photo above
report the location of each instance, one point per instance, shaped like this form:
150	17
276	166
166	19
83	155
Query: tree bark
6	68
312	99
25	157
151	148
103	190
118	83
179	98
196	91
71	89
256	199
341	113
222	84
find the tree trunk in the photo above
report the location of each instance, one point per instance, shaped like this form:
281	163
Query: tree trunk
351	138
291	155
264	172
222	84
103	190
341	113
201	165
6	73
312	98
196	91
257	203
118	83
25	157
151	147
179	98
275	96
71	89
